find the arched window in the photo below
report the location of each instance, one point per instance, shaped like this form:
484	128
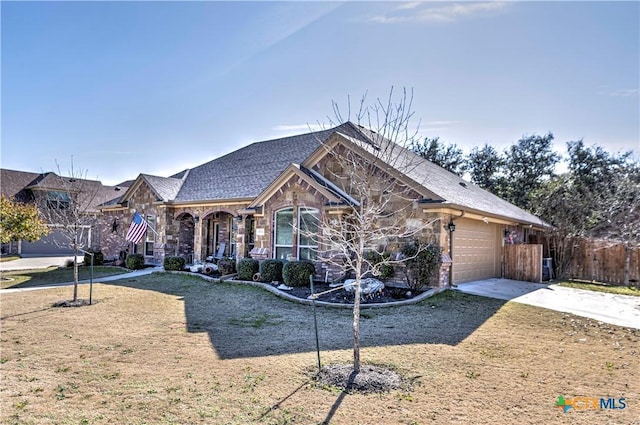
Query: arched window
305	234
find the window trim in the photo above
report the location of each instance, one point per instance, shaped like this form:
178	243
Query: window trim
150	236
295	232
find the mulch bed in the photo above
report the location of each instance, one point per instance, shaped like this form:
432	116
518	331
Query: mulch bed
340	296
370	379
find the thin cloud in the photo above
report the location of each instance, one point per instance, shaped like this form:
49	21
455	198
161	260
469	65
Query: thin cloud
619	93
425	12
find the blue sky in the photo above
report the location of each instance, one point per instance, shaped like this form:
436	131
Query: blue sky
156	87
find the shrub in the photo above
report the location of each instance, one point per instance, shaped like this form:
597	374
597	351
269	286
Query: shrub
247	267
226	266
271	270
135	261
374	257
174	263
423	266
296	273
98	258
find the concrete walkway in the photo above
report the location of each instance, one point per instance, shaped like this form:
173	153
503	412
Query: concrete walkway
621	310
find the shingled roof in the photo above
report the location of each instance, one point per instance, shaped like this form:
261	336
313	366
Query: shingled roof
20	185
165	187
245	173
13	184
451	189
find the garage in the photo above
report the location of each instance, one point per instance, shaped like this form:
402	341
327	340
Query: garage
476	250
55	243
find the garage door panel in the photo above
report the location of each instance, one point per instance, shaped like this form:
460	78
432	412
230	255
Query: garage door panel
55	243
476	251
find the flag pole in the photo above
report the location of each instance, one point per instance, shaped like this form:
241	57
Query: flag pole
148	225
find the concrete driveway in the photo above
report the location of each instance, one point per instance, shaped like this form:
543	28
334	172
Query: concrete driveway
32	263
621	310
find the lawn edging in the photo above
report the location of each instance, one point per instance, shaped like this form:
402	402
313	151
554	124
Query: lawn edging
229	279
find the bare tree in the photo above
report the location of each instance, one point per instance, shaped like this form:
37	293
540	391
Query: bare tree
68	203
378	176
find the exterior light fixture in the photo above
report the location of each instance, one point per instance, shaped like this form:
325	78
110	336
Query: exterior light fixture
196	218
451	226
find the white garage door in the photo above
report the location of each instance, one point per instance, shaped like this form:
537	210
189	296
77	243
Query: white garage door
476	250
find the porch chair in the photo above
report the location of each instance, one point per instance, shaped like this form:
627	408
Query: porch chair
220	253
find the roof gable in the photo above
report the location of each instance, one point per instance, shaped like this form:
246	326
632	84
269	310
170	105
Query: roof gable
164	188
246	172
313	179
433	181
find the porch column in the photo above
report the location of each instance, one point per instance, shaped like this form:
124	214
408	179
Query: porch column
197	240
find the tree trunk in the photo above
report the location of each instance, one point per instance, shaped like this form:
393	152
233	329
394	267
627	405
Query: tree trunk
356	327
75	272
627	264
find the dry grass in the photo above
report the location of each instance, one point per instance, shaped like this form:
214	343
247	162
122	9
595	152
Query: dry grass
166	349
602	287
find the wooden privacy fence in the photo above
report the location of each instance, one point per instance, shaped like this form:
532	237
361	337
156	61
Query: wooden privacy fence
603	261
523	262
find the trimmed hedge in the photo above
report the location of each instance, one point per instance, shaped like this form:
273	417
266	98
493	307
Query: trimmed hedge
135	261
296	273
386	270
98	258
226	266
247	267
271	270
174	263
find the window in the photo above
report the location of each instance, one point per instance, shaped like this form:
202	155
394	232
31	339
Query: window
305	234
284	234
250	235
58	200
233	235
151	236
308	233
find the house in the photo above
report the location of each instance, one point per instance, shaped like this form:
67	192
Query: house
251	200
27	187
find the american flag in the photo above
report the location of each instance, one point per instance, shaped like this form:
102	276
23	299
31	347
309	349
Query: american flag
137	229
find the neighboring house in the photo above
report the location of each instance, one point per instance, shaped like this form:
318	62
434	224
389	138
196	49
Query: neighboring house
29	187
249	200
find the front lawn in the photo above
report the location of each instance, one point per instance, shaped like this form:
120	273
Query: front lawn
9	257
601	287
171	349
54	275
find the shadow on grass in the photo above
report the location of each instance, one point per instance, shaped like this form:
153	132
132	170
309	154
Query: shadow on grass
244	321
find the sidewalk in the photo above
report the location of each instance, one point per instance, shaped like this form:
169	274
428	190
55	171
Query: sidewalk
621	310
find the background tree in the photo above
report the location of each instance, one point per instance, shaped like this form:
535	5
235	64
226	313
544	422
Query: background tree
381	211
20	221
70	207
595	191
448	156
484	166
620	213
528	164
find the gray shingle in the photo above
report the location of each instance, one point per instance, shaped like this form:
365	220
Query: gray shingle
166	187
245	173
